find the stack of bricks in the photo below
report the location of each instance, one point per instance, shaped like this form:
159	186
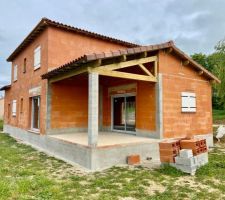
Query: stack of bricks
186	154
197	146
169	150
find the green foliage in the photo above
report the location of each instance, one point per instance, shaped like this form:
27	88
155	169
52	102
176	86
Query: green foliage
203	60
218	116
215	62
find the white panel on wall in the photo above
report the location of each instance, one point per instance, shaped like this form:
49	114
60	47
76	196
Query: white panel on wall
188	102
37	57
14	108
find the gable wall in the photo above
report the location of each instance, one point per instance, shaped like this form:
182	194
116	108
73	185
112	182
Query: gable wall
177	78
67	46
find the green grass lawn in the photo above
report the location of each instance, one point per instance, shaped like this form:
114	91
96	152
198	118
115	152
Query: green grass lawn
28	174
219	116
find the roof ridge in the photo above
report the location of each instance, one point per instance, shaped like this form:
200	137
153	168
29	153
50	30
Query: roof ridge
48	22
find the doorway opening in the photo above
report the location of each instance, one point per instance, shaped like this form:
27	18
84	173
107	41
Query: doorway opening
35	114
124	113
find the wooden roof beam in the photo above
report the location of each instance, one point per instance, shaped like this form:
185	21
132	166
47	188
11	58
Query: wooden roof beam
185	62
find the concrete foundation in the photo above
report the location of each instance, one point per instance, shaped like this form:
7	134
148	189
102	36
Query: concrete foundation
98	158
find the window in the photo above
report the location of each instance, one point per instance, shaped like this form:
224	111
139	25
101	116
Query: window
35	117
15	73
14	108
188	102
24	65
37	57
21	105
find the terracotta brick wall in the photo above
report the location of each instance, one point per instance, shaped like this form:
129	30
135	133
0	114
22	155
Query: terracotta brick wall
146	106
25	81
57	47
177	79
69	104
66	46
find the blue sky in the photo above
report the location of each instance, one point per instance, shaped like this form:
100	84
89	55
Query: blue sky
194	25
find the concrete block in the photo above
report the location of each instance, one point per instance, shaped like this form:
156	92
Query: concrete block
202	159
186	153
185	168
186	161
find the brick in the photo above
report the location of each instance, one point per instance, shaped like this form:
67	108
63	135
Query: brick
169	144
133	159
167	159
169	152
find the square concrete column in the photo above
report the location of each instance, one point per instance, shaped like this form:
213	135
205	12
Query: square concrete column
93	88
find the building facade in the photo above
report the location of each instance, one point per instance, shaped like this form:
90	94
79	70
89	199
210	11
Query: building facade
68	80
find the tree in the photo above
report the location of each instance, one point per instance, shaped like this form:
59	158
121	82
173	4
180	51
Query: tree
215	63
218	61
202	59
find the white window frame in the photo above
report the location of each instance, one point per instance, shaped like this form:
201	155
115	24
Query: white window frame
15	72
37	58
14	108
188	102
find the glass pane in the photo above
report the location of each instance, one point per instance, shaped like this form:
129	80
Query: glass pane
130	113
119	113
36	111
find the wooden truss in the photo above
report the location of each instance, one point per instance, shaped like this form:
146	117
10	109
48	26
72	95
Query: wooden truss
110	69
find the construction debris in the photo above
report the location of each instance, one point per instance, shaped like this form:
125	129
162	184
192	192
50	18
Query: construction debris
185	155
169	150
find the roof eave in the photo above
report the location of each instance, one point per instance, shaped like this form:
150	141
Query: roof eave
47	22
6	87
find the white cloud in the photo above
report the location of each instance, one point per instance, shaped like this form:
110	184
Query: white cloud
196	26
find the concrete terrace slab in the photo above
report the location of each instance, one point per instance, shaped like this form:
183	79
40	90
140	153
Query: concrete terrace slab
104	139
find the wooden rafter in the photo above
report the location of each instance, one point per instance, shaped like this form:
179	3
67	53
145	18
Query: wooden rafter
126	75
145	70
109	70
200	73
156	68
185	63
129	63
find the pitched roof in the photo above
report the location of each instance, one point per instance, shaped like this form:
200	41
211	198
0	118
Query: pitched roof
6	87
129	51
44	23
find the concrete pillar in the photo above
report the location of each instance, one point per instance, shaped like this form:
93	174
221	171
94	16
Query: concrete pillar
159	106
48	107
93	87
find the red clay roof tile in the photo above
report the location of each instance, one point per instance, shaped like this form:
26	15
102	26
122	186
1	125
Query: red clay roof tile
47	22
135	50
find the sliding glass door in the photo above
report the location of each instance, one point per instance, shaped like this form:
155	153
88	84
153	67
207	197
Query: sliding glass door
124	113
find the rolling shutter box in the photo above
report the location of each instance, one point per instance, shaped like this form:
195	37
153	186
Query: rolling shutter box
188	100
